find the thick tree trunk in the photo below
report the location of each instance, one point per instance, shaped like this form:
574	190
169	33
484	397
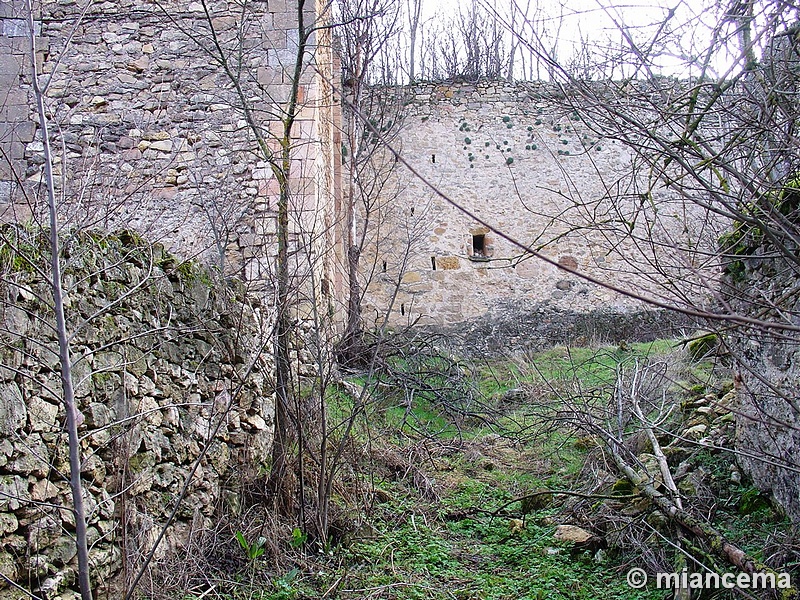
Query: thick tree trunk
287	426
352	351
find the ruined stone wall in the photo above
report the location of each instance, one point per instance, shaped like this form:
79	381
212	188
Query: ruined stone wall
16	127
763	285
161	369
519	158
150	132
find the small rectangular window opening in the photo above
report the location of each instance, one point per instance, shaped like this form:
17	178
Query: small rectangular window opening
433	263
479	245
384	267
403	309
433	158
412	211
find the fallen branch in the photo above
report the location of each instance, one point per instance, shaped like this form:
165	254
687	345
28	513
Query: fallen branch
715	539
666	474
663	466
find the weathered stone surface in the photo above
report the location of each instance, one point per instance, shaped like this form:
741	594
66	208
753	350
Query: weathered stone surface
44	490
161	146
98	415
13	412
513	158
8	523
448	262
17	321
43	533
8	567
148	125
767	412
516	326
57	583
41	414
62	550
564	285
154	394
32	456
572	533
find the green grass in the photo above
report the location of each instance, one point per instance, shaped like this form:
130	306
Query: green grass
432	550
478	557
425	550
589	366
425	546
421	417
390	414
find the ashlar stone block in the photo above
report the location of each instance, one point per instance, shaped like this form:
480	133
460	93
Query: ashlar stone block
269	75
280	5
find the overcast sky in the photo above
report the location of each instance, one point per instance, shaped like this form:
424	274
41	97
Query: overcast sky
598	23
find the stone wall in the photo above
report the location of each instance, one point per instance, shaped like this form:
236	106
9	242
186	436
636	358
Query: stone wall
510	328
161	360
519	158
764	287
16	127
150	133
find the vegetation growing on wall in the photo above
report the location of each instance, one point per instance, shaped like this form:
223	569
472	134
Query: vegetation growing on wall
153	355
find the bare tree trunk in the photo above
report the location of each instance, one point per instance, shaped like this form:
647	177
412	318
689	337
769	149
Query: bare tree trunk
76	487
352	341
351	347
277	484
372	24
285	422
414	8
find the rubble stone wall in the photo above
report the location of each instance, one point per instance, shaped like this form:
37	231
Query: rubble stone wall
768	374
167	372
153	130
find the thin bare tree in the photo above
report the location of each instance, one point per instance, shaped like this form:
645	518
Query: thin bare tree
64	357
413	12
277	147
368	26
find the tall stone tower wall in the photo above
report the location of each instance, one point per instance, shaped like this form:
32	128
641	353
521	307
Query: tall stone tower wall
152	130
